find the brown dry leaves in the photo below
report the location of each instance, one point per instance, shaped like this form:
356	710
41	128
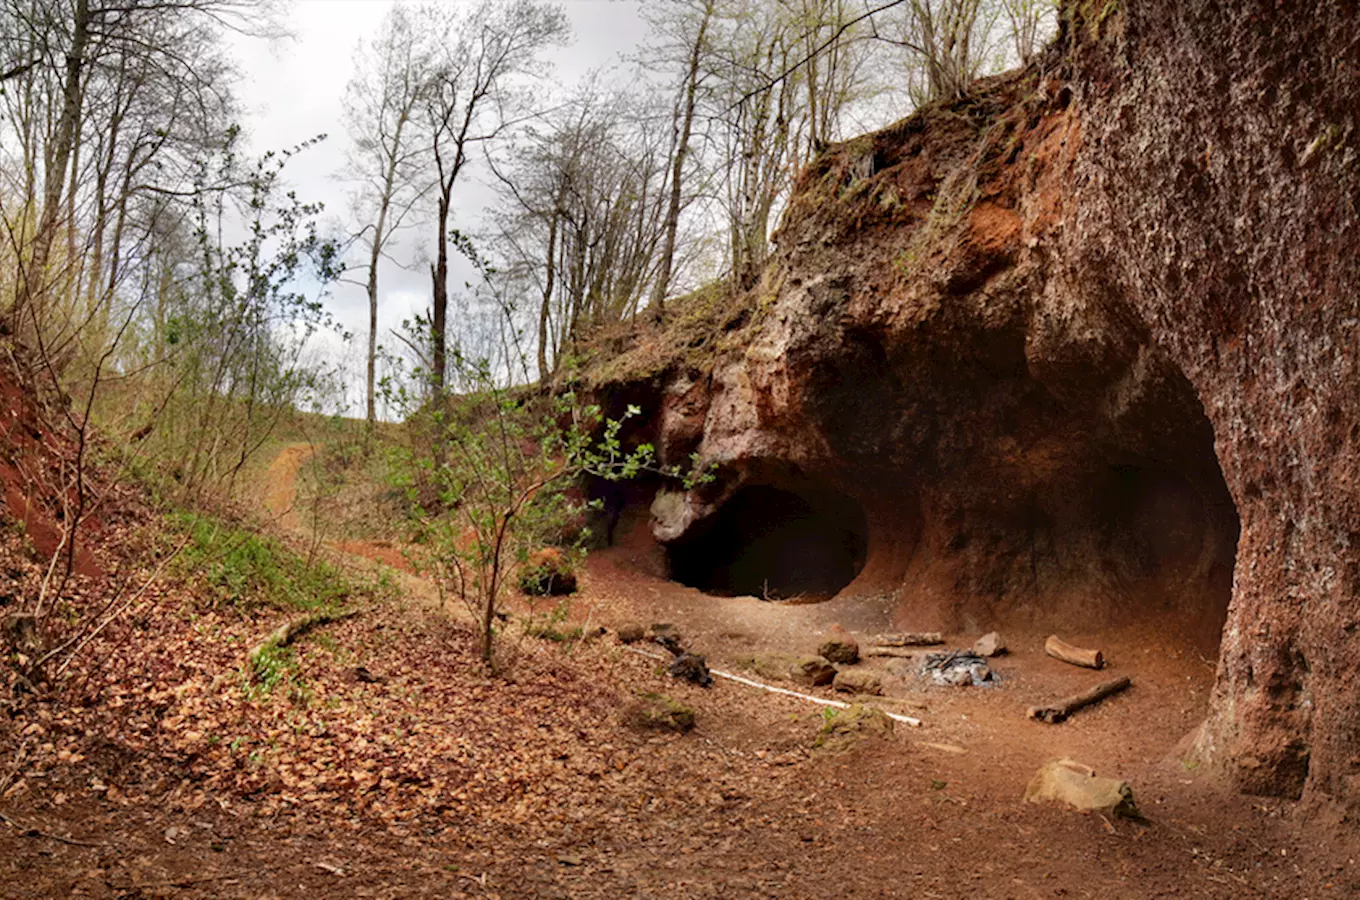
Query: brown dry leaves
428	737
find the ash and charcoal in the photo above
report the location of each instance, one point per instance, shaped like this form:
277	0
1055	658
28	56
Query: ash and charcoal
957	668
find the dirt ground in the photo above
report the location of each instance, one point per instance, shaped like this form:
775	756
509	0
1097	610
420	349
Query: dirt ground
534	784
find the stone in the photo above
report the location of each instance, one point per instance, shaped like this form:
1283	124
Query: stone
659	712
672	514
858	681
812	671
1070	783
667	635
990	645
691	667
842	728
839	646
770	666
547	573
631	633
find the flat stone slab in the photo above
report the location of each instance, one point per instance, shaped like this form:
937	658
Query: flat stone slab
1069	783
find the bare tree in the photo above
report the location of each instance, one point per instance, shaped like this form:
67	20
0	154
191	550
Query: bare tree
691	19
581	222
1031	22
949	43
470	100
383	100
86	62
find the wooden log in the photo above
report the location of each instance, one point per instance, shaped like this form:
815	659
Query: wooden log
910	639
897	652
1056	712
1077	656
288	631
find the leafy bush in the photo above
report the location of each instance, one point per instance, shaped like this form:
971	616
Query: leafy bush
489	477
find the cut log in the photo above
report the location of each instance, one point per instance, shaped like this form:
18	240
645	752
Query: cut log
286	633
910	639
1060	710
1077	656
891	651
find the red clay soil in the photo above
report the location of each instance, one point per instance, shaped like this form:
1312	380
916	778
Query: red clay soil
385	552
280	492
32	476
427	778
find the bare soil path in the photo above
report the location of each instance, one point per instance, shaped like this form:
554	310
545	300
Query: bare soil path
280	488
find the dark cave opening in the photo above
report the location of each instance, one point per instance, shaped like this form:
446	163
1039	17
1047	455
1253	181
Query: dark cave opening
775	544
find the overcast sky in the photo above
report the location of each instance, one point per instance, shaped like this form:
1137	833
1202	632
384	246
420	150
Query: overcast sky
293	89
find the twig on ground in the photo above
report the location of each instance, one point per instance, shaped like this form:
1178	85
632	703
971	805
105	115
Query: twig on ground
286	633
17	766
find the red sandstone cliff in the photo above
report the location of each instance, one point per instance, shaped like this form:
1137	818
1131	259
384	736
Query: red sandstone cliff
1041	351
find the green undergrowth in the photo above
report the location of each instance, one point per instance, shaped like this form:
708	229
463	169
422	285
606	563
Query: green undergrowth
242	568
270	668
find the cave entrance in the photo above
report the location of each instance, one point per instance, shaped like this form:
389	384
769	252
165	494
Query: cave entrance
775	544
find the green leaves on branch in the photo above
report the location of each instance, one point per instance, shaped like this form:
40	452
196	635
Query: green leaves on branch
496	473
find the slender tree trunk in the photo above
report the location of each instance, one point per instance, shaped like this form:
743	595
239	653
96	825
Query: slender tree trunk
439	312
549	283
672	225
374	257
35	279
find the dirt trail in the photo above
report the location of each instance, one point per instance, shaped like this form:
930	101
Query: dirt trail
280	489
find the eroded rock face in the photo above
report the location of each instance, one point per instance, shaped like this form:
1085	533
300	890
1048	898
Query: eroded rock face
1016	447
1220	177
1055	339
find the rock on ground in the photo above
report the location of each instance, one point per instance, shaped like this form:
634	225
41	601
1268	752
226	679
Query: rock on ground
839	646
668	636
1073	784
659	712
989	645
772	666
813	671
858	681
547	572
691	667
842	728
